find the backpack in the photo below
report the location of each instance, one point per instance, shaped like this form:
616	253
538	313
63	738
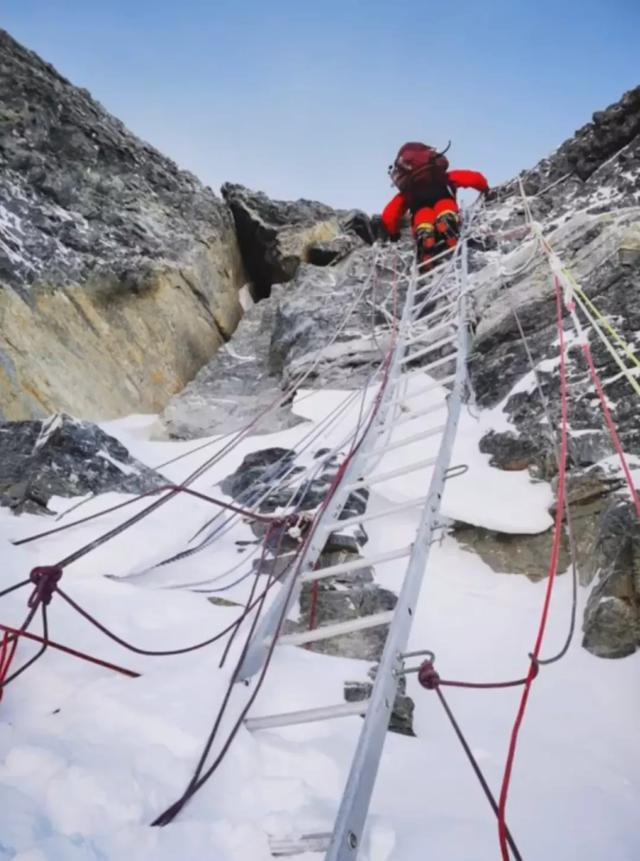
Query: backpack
418	169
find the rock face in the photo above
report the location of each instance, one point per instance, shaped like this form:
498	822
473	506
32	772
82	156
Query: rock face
119	273
276	236
612	617
64	457
587	198
277	343
609	133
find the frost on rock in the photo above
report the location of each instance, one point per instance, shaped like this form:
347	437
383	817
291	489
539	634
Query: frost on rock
62	456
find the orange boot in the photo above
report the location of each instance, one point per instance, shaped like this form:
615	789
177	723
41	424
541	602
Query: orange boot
448	228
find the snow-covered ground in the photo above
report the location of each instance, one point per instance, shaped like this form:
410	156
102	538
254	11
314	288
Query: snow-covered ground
88	758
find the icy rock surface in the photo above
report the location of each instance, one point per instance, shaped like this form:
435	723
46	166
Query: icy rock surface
586	196
276	236
110	256
62	456
277	345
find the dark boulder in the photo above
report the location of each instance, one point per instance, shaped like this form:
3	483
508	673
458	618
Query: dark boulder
62	456
611	623
276	236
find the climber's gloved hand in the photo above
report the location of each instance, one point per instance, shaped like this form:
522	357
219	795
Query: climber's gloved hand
381	231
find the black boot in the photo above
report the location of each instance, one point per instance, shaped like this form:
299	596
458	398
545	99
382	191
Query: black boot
425	244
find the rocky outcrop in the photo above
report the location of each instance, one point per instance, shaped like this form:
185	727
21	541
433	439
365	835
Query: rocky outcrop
602	142
586	196
64	457
612	617
512	553
276	236
403	707
278	342
119	273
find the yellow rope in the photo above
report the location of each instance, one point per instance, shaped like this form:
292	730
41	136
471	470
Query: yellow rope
591	311
605	322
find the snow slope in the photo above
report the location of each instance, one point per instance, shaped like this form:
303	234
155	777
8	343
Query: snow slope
88	758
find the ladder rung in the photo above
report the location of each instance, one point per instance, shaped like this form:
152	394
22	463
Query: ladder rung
430	388
430	286
364	518
284	846
356	564
431	276
394	473
410	357
440	256
430	300
407	440
436	408
429	330
437	313
442	361
307	715
327	631
425	300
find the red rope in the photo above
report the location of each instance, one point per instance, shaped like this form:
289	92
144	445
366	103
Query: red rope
611	426
7	651
198	781
176	488
430	679
313	605
551	574
8	631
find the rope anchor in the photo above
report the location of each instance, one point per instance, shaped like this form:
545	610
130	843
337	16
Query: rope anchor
429	659
45	578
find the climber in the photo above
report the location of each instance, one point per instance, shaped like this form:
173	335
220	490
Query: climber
428	189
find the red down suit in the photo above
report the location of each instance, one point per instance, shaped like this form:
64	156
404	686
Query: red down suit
428	206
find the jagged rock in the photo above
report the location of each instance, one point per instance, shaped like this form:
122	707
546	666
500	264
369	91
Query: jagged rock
276	236
235	387
257	471
359	224
332	250
592	222
534	451
279	340
312	310
591	485
599	154
64	457
346	597
512	553
119	273
610	131
509	451
501	369
338	541
612	616
403	707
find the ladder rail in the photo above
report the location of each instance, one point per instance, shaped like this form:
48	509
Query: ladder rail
347	834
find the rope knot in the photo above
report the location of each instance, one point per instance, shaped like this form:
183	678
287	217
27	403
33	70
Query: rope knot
428	676
46	579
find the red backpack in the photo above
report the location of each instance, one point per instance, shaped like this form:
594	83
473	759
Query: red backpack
418	169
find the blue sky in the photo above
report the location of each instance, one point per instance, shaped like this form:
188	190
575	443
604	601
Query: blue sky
312	99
